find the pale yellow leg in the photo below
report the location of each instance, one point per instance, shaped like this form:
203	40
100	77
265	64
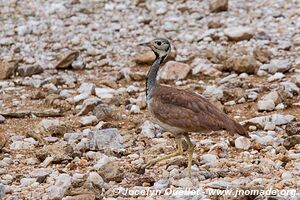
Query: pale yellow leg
191	148
178	152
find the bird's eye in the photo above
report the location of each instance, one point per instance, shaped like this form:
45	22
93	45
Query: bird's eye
158	43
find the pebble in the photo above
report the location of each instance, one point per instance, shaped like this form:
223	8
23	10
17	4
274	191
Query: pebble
105	93
25	182
96	179
62	184
209	158
105	138
88	120
265	105
135	109
174	71
218	5
276	76
242	143
88	88
287	175
239	33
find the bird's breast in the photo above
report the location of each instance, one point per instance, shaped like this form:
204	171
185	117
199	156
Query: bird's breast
170	128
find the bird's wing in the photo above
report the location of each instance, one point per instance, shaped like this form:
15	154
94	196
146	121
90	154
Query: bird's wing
190	111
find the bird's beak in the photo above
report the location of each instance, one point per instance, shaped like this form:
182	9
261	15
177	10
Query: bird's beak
145	44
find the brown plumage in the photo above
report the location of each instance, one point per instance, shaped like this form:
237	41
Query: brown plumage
180	111
190	111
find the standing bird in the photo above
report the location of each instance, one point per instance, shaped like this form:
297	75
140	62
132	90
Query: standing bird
180	111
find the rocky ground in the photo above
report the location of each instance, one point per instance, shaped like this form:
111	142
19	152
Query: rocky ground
73	117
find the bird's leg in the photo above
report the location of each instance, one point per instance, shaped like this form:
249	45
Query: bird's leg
191	148
178	152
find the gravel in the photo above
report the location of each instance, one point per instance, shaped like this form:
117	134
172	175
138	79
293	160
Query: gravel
73	115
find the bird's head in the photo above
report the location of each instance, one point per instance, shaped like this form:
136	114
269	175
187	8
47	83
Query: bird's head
160	46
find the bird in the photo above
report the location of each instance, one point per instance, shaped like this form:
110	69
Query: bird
181	112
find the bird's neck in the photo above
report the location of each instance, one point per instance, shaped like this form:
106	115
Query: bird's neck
152	74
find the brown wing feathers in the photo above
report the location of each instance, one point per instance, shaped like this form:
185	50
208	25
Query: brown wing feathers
190	111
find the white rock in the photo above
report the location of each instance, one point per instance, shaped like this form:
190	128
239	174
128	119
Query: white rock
209	158
286	175
105	93
213	92
80	97
276	76
88	120
25	182
277	65
96	179
2	119
278	119
21	145
242	143
239	33
135	109
184	182
149	129
265	105
280	106
200	65
272	96
88	88
62	183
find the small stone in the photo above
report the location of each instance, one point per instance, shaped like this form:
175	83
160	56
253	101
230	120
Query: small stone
96	179
111	172
47	162
278	119
280	106
89	105
174	71
262	54
2	119
286	175
239	33
292	129
276	76
21	145
209	158
184	182
218	5
104	112
213	92
274	96
25	182
242	64
7	69
30	70
88	120
242	143
105	93
291	141
149	129
105	138
67	60
277	65
270	126
265	105
145	58
88	88
40	174
62	184
82	197
135	109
